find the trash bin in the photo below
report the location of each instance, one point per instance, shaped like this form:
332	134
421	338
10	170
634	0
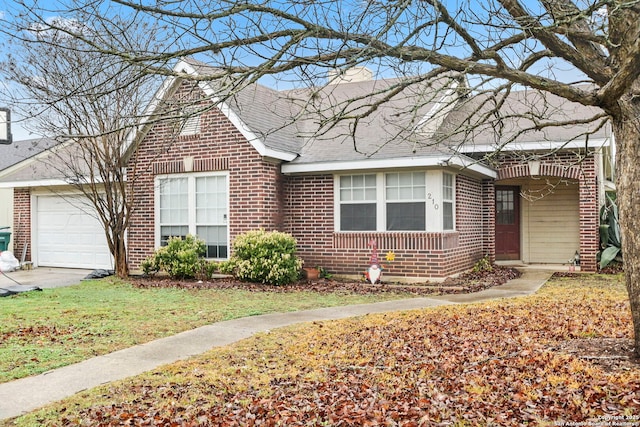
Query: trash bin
5	236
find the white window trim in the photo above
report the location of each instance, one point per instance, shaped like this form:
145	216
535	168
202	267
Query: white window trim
452	201
191	201
434	220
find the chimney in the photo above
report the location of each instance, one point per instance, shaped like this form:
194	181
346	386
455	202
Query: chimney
350	75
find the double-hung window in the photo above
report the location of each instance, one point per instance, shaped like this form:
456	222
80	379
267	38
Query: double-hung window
358	202
194	204
448	194
396	201
405	201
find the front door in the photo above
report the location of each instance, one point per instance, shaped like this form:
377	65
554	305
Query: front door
507	223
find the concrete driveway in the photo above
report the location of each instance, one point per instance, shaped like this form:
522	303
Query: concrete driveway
44	277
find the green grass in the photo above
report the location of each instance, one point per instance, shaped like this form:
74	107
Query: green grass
40	331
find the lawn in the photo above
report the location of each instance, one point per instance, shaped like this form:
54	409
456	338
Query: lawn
508	362
44	330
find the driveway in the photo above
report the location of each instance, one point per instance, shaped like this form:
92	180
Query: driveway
44	277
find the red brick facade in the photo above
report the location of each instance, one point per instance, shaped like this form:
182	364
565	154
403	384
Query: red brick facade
260	196
309	217
255	185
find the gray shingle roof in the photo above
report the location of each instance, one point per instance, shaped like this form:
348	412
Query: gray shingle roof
22	150
523	119
379	119
383	117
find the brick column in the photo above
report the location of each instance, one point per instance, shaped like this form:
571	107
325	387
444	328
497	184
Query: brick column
21	222
489	218
589	221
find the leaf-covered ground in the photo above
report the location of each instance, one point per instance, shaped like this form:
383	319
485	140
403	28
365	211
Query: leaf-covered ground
504	363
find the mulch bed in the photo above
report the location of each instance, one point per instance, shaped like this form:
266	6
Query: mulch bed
463	283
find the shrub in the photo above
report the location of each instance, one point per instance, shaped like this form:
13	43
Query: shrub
264	257
181	258
209	269
483	264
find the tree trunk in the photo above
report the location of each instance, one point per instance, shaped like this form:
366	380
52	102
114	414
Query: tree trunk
120	258
626	129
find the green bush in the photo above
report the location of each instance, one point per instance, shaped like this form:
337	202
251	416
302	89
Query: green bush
483	264
264	257
181	258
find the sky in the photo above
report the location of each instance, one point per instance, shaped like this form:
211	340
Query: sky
18	130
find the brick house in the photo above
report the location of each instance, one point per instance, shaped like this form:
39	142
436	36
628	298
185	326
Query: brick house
402	175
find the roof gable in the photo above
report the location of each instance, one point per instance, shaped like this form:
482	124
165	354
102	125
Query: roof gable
366	119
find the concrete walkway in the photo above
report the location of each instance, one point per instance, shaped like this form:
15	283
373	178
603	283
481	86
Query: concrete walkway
25	395
43	277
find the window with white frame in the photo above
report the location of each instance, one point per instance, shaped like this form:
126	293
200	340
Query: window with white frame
396	201
358	202
194	204
405	201
448	197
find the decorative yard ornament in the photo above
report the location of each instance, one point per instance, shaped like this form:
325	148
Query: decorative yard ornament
374	272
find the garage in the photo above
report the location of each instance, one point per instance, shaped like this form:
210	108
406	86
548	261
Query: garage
552	222
68	235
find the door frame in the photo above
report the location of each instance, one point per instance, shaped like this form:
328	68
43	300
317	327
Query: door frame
514	251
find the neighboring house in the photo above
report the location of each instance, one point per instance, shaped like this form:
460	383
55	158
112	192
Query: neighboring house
10	155
54	225
403	178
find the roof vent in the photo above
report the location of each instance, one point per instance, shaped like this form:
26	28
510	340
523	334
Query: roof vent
350	75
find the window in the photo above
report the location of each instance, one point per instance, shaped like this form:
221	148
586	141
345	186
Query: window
395	201
405	197
358	202
447	201
174	212
194	204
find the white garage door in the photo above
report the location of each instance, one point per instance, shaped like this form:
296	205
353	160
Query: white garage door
554	225
68	236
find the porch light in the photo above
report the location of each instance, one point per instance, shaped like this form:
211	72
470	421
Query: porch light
534	167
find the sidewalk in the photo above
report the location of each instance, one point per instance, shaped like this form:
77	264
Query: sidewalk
27	394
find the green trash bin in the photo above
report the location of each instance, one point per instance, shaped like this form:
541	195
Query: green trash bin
5	236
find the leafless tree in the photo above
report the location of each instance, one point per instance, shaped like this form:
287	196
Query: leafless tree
89	103
583	51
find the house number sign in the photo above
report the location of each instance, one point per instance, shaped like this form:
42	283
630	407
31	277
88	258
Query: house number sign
433	201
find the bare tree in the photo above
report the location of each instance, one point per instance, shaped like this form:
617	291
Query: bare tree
90	103
583	51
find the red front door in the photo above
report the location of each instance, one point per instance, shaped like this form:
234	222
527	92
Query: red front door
507	223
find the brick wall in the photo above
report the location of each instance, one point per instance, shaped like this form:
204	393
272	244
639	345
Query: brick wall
589	215
255	185
489	218
21	222
309	207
